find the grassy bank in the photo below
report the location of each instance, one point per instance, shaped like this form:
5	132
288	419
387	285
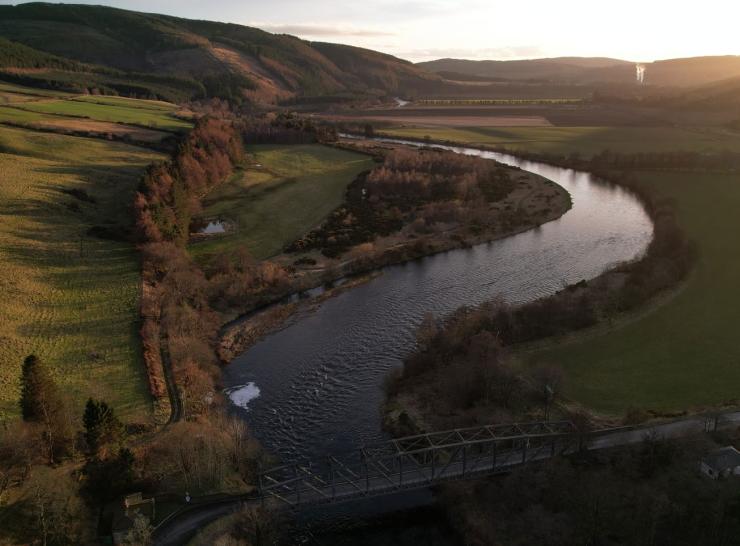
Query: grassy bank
585	141
684	353
67	296
284	191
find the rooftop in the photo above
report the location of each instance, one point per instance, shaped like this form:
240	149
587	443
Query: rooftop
723	458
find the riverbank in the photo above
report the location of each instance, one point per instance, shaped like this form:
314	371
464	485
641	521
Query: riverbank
321	375
240	334
415	401
535	199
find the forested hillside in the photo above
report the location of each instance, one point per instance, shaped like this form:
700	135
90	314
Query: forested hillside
175	59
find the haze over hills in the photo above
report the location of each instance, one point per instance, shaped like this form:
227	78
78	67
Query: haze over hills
101	49
672	72
198	57
571	69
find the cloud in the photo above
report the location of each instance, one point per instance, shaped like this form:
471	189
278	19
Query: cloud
321	30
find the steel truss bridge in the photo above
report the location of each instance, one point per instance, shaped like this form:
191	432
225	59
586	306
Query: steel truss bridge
416	462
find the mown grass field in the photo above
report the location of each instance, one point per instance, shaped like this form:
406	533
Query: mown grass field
684	353
103	115
67	296
284	191
586	141
150	114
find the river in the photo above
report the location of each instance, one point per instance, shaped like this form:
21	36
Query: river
315	387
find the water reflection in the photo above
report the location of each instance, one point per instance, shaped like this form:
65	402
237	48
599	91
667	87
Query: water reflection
320	379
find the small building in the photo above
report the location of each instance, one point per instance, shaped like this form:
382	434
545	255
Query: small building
126	512
721	463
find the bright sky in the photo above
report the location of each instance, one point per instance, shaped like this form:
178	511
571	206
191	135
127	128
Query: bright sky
639	30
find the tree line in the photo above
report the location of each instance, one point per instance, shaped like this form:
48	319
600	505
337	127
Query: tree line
427	189
182	300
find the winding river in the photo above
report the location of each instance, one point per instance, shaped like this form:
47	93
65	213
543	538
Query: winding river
315	387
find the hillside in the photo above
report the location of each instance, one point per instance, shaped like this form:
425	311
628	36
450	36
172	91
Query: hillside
195	58
668	73
721	96
562	69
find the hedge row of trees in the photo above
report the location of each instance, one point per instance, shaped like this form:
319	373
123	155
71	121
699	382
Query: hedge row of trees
181	301
287	128
174	303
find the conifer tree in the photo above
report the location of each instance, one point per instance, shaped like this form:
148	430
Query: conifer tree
40	399
101	425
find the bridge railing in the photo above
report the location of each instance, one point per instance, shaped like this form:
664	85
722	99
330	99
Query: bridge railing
416	461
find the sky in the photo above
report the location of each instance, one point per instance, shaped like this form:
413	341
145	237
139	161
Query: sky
420	30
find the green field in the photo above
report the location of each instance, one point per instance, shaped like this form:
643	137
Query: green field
284	191
103	115
67	296
16	115
685	353
30	91
140	104
584	140
148	114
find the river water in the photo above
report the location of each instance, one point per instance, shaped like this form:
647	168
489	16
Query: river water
315	387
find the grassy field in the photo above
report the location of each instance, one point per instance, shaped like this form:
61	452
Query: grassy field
69	297
104	115
584	140
684	353
61	124
151	114
156	105
15	94
284	192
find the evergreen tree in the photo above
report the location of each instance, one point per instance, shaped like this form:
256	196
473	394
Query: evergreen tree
40	399
41	403
108	479
101	424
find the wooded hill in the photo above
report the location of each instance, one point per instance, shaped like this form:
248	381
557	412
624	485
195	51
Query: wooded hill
80	46
694	71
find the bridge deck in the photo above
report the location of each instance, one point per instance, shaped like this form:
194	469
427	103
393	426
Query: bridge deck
416	462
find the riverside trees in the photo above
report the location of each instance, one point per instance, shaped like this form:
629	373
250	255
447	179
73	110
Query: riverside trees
423	189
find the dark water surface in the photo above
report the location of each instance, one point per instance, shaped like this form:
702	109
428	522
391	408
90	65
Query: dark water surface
315	387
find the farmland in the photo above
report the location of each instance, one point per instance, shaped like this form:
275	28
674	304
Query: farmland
681	354
70	297
148	114
148	121
585	141
672	356
284	192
